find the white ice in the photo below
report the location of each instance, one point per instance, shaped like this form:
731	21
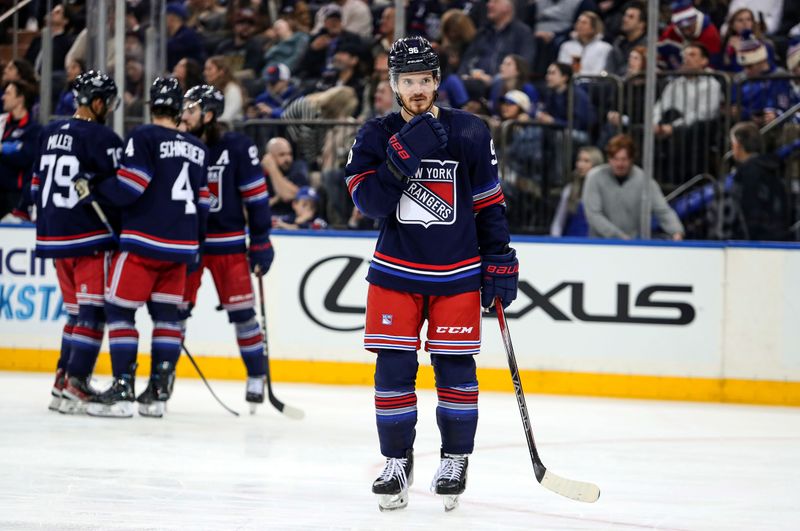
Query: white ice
660	465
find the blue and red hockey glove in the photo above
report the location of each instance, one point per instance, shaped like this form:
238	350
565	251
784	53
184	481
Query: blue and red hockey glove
260	254
420	137
499	278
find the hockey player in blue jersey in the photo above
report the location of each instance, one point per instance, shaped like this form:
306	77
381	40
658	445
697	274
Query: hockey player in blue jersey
71	233
161	190
236	185
442	253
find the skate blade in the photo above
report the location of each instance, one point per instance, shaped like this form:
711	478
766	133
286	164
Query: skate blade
116	410
450	502
253	408
153	410
392	502
72	407
55	402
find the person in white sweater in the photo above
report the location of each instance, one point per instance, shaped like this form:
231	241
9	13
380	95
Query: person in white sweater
587	52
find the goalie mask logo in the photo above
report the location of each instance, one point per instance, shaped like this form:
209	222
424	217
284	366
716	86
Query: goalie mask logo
215	187
430	198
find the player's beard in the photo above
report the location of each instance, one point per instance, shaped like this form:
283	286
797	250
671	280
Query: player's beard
418	105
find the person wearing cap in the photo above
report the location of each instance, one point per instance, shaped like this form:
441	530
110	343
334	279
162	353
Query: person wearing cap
182	41
356	17
244	49
523	152
739	24
305	207
289	48
759	93
688	25
280	90
324	43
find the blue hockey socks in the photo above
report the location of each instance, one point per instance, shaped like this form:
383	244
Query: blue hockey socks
85	347
396	401
251	347
457	411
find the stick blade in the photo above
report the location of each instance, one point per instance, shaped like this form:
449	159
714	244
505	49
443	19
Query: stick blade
569	488
293	412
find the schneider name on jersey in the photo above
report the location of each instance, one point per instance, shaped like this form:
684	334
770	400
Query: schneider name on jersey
439	222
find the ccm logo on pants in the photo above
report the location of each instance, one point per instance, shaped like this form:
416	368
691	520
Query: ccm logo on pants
454	329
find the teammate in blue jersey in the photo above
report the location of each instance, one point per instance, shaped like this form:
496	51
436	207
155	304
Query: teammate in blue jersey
236	185
161	190
442	253
71	233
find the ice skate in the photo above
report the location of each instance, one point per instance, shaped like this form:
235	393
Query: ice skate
451	479
117	400
255	392
57	389
76	395
153	400
393	483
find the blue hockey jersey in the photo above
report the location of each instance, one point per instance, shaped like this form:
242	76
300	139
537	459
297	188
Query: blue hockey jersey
235	178
161	187
65	228
439	223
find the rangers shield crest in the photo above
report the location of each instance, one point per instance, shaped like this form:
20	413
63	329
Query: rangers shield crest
430	198
215	187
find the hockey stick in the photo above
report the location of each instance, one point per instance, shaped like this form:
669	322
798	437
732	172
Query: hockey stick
202	377
289	411
575	490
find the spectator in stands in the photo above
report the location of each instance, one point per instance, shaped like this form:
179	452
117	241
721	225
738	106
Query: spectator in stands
613	194
513	75
587	52
555	104
182	41
689	98
758	194
633	99
769	11
188	73
689	25
346	69
356	17
554	19
523	152
210	19
279	92
740	25
633	34
501	36
20	142
19	70
793	66
218	73
324	42
457	31
289	48
285	175
134	87
382	42
570	219
304	215
382	101
244	49
65	104
758	97
337	103
62	41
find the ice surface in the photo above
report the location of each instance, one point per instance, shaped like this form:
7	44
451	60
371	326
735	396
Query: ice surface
660	465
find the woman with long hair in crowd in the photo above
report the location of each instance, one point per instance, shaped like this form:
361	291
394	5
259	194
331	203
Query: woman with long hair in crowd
741	24
188	73
513	74
218	73
570	219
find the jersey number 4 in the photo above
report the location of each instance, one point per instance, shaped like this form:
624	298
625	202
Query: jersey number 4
182	190
61	170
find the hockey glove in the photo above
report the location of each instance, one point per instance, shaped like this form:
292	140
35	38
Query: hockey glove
499	278
11	147
260	255
420	137
81	184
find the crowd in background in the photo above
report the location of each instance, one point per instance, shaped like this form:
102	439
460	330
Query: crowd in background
526	63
